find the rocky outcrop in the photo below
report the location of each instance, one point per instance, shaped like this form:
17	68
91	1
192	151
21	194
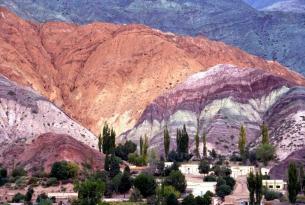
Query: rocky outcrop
218	101
40	153
267	35
85	69
294	6
25	115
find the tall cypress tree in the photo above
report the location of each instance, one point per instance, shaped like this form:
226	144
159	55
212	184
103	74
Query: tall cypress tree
145	147
178	141
258	187
141	146
204	141
293	184
184	141
166	142
100	142
106	139
197	145
265	134
251	181
242	141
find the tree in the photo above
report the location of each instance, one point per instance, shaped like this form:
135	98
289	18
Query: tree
197	145
204	167
123	151
265	153
204	141
64	170
293	184
189	200
126	182
135	196
29	194
177	180
107	163
90	191
166	141
18	198
146	184
100	142
242	141
172	200
265	135
108	140
251	187
3	176
223	190
166	190
145	147
19	172
141	146
302	179
258	187
114	168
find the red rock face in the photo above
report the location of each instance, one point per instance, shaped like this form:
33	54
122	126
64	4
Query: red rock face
49	148
99	72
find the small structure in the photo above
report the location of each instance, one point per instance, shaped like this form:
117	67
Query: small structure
168	164
265	171
62	196
239	171
200	188
189	169
275	185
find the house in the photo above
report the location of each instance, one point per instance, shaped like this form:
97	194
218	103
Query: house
265	171
238	171
189	169
275	185
200	188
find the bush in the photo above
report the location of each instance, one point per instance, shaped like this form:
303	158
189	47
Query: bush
90	191
19	172
271	195
123	151
189	200
210	178
18	198
146	184
172	200
3	176
223	190
51	182
64	170
177	180
230	181
204	167
137	160
167	191
265	153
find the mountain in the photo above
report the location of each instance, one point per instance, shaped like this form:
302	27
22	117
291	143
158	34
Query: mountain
219	101
25	115
294	6
265	34
84	69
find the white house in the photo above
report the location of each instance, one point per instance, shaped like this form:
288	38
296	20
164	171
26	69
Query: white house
241	170
200	188
275	185
265	171
190	168
63	195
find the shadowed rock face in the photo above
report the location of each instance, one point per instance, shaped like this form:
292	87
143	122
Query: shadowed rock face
25	115
218	101
105	72
294	6
279	171
48	148
266	34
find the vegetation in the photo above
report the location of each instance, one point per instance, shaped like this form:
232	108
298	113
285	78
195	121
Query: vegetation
19	172
166	142
64	170
265	153
3	176
108	140
182	141
204	141
126	181
123	151
255	187
177	180
146	184
197	146
265	134
242	142
136	159
204	167
293	183
271	195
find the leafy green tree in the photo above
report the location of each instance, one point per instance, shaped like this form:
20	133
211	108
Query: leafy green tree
166	141
126	181
177	180
204	167
223	190
90	191
107	163
64	170
108	140
141	146
18	198
204	141
123	151
242	141
265	134
3	176
146	184
166	190
19	172
197	145
251	187
116	181
114	168
205	200
189	200
145	147
293	184
137	160
29	194
265	153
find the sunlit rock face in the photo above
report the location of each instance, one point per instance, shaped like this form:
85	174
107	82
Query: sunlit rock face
25	115
266	34
293	6
217	102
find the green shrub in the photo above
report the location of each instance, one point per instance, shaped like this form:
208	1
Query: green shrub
146	184
18	172
64	170
210	178
18	198
51	182
177	180
271	195
137	160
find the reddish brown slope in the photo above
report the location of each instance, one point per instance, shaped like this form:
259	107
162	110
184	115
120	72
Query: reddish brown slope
101	72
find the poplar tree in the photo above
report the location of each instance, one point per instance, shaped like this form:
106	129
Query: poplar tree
293	184
251	187
197	145
258	187
166	142
100	142
108	139
145	147
204	141
242	141
265	134
141	146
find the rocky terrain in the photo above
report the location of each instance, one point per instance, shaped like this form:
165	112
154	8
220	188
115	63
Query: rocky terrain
266	34
25	115
85	69
294	6
48	148
219	101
